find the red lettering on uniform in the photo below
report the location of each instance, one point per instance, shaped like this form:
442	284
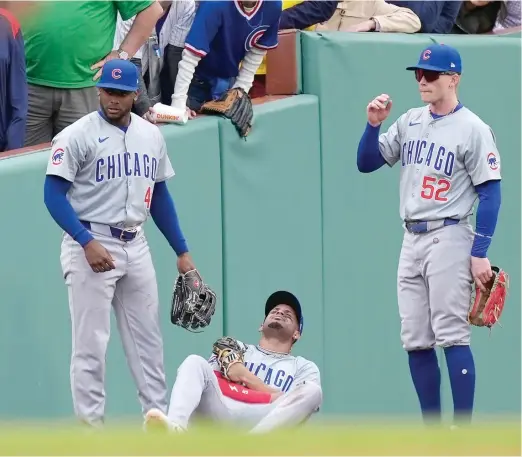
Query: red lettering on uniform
148	198
433	188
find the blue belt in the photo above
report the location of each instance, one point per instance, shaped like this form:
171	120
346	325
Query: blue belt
426	226
121	234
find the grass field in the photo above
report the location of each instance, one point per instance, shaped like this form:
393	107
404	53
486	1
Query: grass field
493	439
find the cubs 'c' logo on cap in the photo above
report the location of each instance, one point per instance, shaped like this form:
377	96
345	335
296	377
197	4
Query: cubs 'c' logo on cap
116	73
426	54
57	157
493	161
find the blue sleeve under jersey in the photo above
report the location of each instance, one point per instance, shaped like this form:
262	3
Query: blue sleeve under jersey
59	207
207	22
487	216
369	157
163	212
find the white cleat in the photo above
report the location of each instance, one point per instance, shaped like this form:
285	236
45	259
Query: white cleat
155	420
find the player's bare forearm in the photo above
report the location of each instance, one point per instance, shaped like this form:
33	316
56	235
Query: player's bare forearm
251	381
141	28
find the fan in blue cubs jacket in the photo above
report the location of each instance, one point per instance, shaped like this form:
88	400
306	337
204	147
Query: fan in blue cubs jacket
224	36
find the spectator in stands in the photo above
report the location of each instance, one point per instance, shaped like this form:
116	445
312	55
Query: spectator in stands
172	33
300	15
224	48
476	17
13	86
508	14
142	104
66	45
436	16
371	16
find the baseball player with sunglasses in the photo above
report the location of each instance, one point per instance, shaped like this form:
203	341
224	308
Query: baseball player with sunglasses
448	157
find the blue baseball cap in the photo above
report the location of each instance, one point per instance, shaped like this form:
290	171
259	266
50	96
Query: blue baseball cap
119	74
282	297
439	57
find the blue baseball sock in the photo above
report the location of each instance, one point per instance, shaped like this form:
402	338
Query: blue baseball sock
461	369
425	374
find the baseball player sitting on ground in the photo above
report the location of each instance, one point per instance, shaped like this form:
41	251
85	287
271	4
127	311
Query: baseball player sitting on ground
262	387
448	157
106	174
224	35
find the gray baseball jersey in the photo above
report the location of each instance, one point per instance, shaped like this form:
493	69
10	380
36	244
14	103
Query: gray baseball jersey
280	371
112	172
441	162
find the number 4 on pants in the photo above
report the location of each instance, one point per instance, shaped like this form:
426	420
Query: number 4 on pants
433	188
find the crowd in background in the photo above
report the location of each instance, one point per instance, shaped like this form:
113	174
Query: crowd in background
51	53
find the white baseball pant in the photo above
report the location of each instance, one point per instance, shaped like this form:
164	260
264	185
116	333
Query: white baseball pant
197	390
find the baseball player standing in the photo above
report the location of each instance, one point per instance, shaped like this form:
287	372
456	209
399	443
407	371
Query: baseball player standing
269	390
448	157
107	172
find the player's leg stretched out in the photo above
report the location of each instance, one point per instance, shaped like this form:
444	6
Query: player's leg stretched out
261	387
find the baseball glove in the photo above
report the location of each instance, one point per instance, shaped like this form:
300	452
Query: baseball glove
193	302
486	307
228	351
234	104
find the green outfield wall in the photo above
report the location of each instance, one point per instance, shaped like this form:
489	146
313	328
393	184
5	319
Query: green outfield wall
285	209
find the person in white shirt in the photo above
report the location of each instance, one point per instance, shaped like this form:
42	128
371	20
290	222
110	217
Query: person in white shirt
271	389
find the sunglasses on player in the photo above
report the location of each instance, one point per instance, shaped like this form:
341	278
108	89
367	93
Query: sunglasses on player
431	75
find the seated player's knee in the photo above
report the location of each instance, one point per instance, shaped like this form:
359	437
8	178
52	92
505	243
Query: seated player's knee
310	394
194	362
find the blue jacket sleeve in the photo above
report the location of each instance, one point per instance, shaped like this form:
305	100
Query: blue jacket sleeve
306	14
369	157
59	207
487	215
17	84
428	12
164	215
448	16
